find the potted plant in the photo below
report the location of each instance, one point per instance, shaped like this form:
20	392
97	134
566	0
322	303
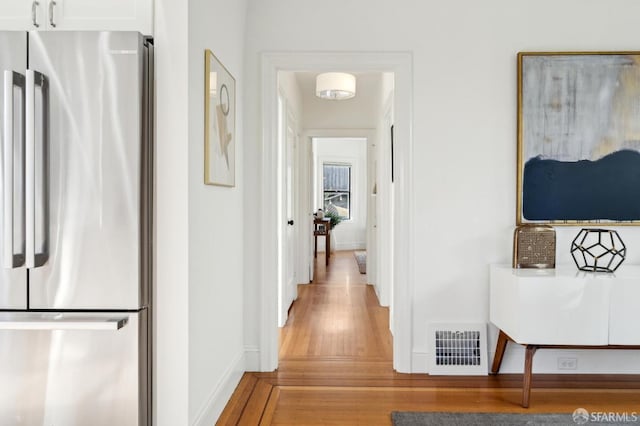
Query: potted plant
334	220
334	217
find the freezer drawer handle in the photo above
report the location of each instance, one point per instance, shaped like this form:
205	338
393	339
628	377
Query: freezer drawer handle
34	260
9	258
60	322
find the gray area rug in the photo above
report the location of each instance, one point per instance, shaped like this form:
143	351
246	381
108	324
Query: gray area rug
361	258
405	418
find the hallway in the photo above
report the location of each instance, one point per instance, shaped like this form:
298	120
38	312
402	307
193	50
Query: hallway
337	317
336	369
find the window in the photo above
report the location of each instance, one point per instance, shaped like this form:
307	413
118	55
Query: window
336	187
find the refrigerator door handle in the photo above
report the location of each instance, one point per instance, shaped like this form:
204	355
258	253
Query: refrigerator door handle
59	322
33	79
10	259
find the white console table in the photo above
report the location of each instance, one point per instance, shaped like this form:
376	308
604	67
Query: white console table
563	308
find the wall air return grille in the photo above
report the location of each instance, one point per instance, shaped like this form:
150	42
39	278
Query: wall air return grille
457	349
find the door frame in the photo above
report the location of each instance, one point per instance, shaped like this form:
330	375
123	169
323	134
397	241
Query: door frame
401	64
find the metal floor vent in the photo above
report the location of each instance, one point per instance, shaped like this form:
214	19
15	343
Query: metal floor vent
458	349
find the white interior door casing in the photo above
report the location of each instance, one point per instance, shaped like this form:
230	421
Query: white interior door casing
280	216
384	213
372	189
306	208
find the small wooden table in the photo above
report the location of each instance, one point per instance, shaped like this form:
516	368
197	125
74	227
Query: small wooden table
322	228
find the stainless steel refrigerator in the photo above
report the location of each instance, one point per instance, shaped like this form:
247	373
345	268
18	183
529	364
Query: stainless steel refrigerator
75	228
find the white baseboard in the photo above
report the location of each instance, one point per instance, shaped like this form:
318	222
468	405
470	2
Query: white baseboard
377	290
420	362
358	245
251	358
209	413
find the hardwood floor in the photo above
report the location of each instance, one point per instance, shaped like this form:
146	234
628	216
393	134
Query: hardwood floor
338	316
336	369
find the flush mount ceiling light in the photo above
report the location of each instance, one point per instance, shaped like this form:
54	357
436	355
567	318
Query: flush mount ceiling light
335	85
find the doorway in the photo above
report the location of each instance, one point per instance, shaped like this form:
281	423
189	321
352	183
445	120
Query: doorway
402	223
340	188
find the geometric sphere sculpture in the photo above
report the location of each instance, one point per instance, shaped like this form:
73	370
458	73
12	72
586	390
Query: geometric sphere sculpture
598	250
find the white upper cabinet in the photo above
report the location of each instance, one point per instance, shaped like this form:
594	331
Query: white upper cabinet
81	15
21	15
112	15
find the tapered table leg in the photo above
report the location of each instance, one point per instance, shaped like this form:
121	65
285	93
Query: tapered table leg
500	348
526	379
327	245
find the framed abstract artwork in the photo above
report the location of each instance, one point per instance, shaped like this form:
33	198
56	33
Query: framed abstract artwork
578	138
220	122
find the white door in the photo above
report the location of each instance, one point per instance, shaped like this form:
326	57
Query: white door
290	292
287	137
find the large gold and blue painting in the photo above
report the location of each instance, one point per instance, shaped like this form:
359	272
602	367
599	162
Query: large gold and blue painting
579	138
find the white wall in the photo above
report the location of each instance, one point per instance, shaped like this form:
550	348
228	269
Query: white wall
171	266
199	351
216	347
291	91
349	234
464	132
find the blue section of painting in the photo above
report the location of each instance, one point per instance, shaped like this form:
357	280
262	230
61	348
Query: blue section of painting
607	189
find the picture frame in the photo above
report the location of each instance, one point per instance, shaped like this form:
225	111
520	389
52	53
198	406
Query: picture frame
220	121
578	155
